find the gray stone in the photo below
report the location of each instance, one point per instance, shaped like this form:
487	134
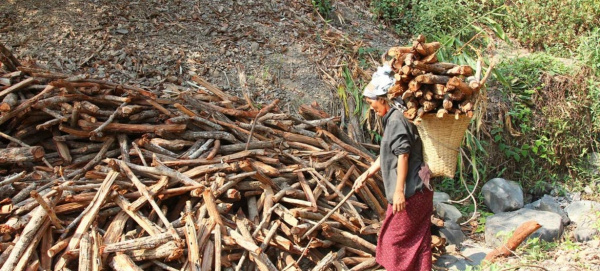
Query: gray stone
584	234
471	255
549	204
447	212
501	195
583	213
440	197
499	227
452	232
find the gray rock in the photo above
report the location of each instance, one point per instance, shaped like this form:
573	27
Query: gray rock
499	227
472	254
447	212
583	213
440	197
452	232
501	195
549	204
594	162
584	234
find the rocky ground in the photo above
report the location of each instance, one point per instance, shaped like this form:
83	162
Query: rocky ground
282	48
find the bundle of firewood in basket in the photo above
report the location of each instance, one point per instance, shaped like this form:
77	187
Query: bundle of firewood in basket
429	86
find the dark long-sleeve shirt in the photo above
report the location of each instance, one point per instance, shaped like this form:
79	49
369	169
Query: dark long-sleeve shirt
399	137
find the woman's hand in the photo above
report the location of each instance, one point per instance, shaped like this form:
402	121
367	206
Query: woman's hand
360	181
399	203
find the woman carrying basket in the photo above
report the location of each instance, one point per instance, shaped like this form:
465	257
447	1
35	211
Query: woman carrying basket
404	242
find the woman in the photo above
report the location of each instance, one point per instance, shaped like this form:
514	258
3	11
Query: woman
404	242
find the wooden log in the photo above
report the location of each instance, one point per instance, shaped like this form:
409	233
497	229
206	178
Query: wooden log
192	244
133	128
38	218
168	251
9	102
24	261
432	79
85	253
124	262
520	234
21	155
460	85
88	217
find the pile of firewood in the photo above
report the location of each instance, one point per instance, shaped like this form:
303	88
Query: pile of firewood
429	86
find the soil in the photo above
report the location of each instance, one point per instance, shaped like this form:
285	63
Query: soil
284	48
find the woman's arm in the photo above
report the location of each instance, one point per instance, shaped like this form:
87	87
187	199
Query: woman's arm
360	181
399	203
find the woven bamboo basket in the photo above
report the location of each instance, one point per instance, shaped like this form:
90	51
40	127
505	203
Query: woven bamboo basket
441	142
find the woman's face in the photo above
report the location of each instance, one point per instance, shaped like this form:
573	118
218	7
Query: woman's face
380	106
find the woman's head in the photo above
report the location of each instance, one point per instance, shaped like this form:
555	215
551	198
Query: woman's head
375	93
380	105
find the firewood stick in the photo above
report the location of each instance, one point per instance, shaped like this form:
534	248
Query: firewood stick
346	147
58	247
51	214
269	235
139	152
192	244
203	148
31	248
350	206
85	246
209	200
342	219
328	260
164	266
262	111
307	191
17	86
218	247
168	251
99	156
124	262
224	96
161	170
25	105
520	234
89	216
365	265
38	219
9	102
144	190
195	117
22	144
214	150
262	261
142	220
208	255
46	244
124	147
12	178
154	189
328	214
133	128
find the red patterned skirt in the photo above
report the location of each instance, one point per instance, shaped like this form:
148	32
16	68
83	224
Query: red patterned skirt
404	242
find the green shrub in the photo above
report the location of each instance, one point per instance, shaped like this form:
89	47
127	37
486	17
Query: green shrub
552	25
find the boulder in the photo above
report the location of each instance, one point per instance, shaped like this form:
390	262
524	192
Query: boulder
586	216
452	232
585	234
500	195
447	212
584	212
499	227
549	204
440	197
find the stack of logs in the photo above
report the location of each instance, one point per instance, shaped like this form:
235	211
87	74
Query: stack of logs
102	175
429	86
